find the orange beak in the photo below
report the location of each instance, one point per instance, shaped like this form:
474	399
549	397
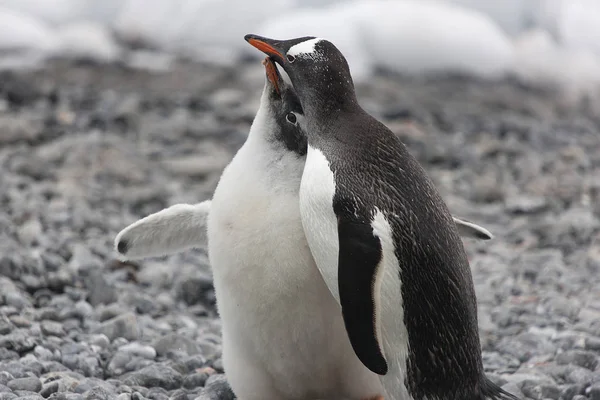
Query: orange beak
272	73
267	46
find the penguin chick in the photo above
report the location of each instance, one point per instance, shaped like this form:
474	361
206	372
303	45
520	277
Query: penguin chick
183	226
283	332
174	229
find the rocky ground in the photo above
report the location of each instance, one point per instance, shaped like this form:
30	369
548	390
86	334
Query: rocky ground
85	150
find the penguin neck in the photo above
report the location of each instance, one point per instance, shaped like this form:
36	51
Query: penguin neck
322	107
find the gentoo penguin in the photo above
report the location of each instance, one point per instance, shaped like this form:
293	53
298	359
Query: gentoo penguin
382	237
183	226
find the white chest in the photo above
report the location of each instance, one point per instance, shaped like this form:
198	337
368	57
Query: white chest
282	330
318	218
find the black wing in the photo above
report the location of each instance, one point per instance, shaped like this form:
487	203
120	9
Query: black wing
359	261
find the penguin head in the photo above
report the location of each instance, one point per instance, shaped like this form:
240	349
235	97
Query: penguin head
284	108
318	70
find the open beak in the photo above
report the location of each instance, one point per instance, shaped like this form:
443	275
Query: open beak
271	47
272	74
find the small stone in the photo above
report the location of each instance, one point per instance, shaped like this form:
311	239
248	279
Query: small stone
176	342
8	396
19	321
100	340
581	358
52	328
179	394
98	393
5	377
593	392
195	380
100	292
569	391
49	388
580	375
592	343
6	354
217	388
16	300
29	384
4	389
18	341
5	325
154	376
125	326
124	396
140	350
158	394
195	289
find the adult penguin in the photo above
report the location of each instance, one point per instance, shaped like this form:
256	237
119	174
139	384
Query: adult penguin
382	237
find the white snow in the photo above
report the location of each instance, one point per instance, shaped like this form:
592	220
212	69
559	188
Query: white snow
556	41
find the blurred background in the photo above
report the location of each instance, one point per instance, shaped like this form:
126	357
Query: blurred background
114	109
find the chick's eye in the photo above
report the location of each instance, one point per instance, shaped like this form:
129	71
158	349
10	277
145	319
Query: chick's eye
291	118
291	58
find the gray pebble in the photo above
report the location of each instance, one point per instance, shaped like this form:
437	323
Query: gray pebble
98	393
25	394
154	376
7	396
4	389
592	343
138	349
100	292
16	300
18	341
50	388
5	325
593	392
179	394
125	326
158	394
176	342
195	380
5	377
124	396
8	354
217	387
100	340
20	321
52	328
579	375
29	384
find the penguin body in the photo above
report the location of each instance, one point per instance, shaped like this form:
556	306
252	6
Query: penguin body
382	238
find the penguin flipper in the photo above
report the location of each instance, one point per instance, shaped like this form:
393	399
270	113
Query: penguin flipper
359	264
470	230
174	229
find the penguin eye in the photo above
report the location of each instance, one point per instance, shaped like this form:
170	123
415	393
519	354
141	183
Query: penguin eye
291	118
291	58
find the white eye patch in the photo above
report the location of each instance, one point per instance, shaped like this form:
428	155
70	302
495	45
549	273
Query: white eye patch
305	49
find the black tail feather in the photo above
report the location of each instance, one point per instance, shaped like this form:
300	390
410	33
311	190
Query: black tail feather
491	391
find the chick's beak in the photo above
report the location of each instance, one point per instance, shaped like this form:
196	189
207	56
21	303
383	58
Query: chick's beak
272	74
